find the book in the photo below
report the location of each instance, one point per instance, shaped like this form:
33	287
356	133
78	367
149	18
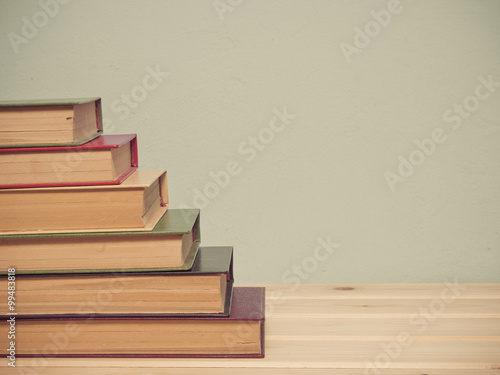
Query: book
137	203
107	159
49	122
239	335
203	290
171	245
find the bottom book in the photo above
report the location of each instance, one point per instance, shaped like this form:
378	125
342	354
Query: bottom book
239	335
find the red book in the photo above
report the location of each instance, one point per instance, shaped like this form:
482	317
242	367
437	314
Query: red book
106	160
241	335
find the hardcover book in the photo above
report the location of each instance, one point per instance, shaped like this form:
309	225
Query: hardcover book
204	290
53	122
239	335
106	160
137	204
170	246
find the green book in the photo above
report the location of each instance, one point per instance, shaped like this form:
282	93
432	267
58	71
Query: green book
49	122
171	245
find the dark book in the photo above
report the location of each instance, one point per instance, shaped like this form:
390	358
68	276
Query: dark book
239	335
52	122
106	160
204	290
170	246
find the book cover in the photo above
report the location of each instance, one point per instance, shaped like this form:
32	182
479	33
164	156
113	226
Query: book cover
106	160
240	335
50	122
170	246
204	290
47	102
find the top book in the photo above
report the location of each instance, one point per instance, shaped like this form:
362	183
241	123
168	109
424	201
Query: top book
53	122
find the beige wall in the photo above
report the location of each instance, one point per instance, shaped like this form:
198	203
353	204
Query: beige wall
298	121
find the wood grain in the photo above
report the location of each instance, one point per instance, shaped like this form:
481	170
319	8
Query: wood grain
355	329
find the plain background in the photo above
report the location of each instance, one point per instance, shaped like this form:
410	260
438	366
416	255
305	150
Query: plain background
196	78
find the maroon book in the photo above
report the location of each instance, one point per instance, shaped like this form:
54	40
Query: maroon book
106	160
240	335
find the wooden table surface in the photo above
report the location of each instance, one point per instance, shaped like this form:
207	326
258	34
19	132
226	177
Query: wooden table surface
349	329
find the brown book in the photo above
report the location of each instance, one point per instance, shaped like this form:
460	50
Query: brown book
171	245
106	160
49	122
136	204
241	334
204	290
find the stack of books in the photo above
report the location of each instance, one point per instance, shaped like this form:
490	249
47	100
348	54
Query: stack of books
93	262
